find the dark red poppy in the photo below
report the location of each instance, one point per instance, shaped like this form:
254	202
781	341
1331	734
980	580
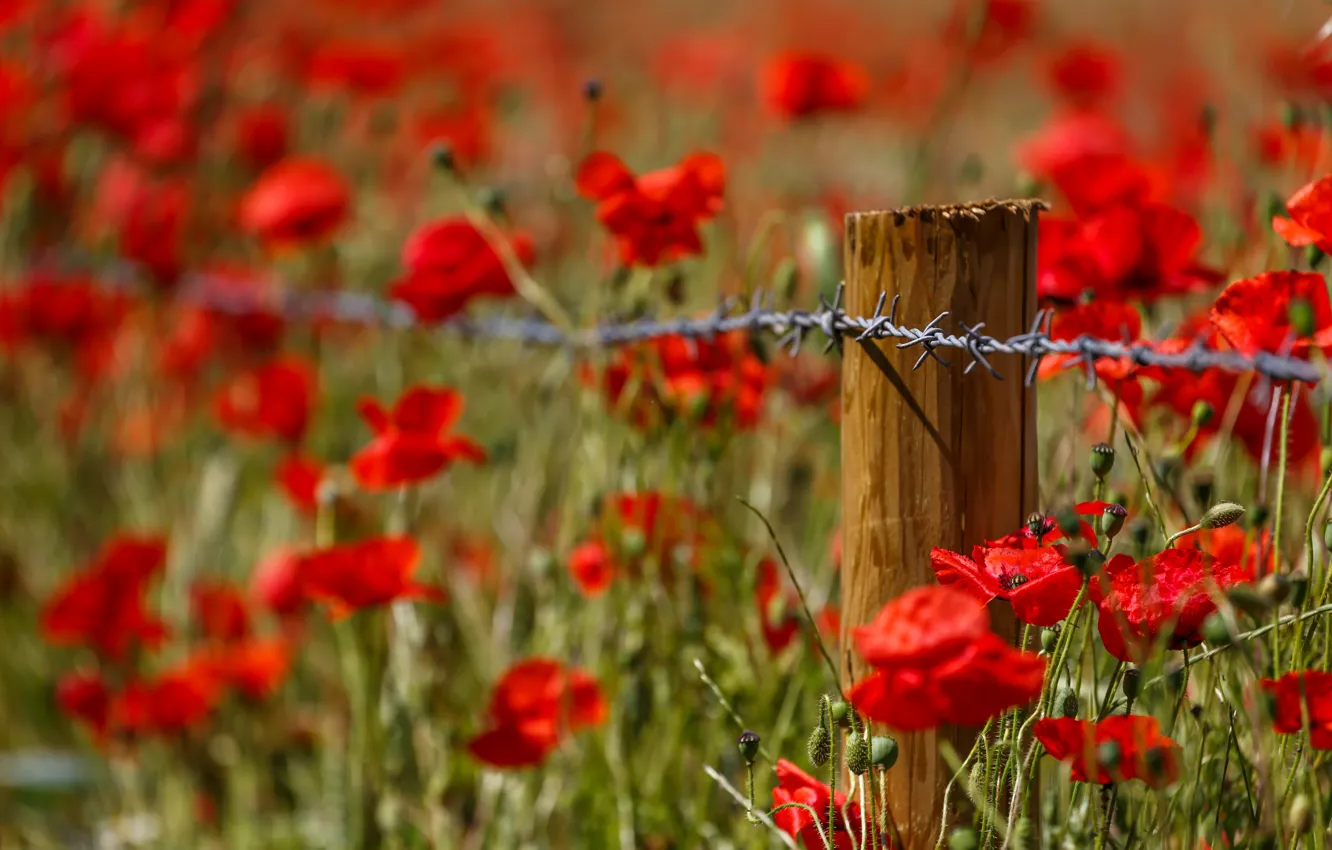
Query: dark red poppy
1070	137
277	584
1166	596
1253	314
102	607
796	786
220	611
1039	583
351	576
295	202
69	310
299	478
796	84
464	128
592	567
776	609
412	443
271	400
1084	74
366	69
1300	148
169	703
654	217
449	263
1142	750
1294	695
532	707
262	135
86	698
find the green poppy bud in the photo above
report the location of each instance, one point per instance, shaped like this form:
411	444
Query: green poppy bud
1049	637
1067	701
1202	414
1301	815
1221	515
1215	631
1069	523
841	714
1102	460
963	838
749	746
1087	560
857	754
819	746
883	751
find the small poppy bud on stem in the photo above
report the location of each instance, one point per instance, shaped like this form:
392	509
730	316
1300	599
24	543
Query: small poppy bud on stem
1067	700
1327	534
841	714
1049	637
1102	460
1036	524
1132	683
1069	523
1221	515
883	752
857	753
1202	414
1087	560
819	746
748	743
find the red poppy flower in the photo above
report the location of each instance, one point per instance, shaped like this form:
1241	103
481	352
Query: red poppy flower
533	705
464	128
352	576
170	702
254	668
1070	137
86	698
366	69
103	607
277	583
1168	595
295	202
654	217
71	311
1143	751
299	479
796	84
1005	24
261	135
922	627
220	611
449	262
412	443
1310	221
271	400
1253	314
1084	74
1039	583
797	786
776	609
1050	531
1296	693
1112	320
592	567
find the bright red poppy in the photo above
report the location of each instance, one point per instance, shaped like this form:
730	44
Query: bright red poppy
1142	750
220	611
796	786
277	583
1166	596
1040	584
299	478
532	707
797	84
102	607
449	263
1310	211
654	217
412	443
1293	695
351	576
271	400
592	567
1254	314
295	202
1113	320
254	668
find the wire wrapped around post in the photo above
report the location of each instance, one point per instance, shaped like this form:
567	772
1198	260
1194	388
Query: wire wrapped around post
932	456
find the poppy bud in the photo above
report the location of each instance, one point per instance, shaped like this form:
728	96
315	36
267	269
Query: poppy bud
1049	637
1087	560
785	278
592	90
1112	520
1069	523
883	752
1132	683
1221	515
1314	256
857	754
1203	487
1327	534
1246	598
1023	831
819	746
841	714
1202	414
441	154
1301	315
1036	523
1102	460
1067	701
1215	631
749	746
1299	588
1301	815
1108	756
1274	588
963	838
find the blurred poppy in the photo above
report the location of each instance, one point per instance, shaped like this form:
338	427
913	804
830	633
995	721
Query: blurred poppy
796	786
1141	750
351	576
412	443
592	567
102	607
255	668
262	135
270	400
1098	319
798	84
989	30
1255	314
277	583
168	703
1310	221
363	68
654	217
219	611
532	707
1293	695
1039	583
776	610
1084	74
295	202
449	262
86	698
299	478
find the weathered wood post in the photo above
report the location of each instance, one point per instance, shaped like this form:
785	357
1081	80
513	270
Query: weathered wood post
932	457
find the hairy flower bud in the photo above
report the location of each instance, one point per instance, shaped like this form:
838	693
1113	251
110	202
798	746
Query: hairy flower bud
857	754
963	838
1067	701
1102	460
841	714
749	746
820	746
1132	683
883	752
1221	515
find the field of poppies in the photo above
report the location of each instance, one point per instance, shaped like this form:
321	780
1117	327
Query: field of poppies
280	578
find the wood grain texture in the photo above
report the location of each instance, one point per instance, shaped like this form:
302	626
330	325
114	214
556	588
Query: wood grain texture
932	457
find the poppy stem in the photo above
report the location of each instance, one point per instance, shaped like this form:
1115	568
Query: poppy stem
1277	522
1146	486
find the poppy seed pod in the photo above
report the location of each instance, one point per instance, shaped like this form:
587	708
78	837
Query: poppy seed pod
1112	520
1221	515
857	754
1036	523
1067	700
1132	683
748	742
841	714
1069	523
1087	560
1202	414
883	752
1049	637
1301	315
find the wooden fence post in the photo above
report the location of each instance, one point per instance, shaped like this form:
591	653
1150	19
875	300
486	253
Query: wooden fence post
932	457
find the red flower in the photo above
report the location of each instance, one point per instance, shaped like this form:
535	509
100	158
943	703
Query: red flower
1112	320
272	400
352	576
299	479
532	706
796	786
295	202
1050	531
449	262
255	668
936	662
775	608
654	217
1290	705
365	69
1039	583
1310	221
1143	751
412	443
103	607
1168	595
1084	74
277	585
796	84
1004	25
261	135
1253	314
171	702
592	567
86	698
220	611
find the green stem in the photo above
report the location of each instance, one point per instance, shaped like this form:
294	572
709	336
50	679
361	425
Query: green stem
832	779
1061	651
1309	564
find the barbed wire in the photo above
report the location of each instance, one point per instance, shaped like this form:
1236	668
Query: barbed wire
791	326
